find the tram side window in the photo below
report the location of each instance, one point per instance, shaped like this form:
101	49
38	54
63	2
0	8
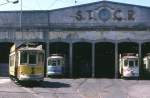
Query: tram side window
12	58
145	64
58	62
136	63
148	66
49	62
32	58
41	58
23	57
131	63
125	62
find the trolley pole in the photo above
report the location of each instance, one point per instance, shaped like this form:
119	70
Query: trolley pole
21	18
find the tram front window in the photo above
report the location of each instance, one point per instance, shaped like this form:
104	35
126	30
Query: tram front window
148	64
53	63
23	57
32	58
131	63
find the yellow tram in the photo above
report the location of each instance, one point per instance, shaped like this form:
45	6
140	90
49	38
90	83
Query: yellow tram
26	63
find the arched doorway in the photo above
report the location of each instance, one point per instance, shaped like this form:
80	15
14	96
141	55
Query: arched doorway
127	47
63	49
104	60
82	59
145	50
4	58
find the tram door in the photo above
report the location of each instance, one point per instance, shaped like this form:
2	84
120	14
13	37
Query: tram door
104	60
82	60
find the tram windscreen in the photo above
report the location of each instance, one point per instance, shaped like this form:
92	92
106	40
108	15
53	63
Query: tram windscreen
148	64
32	58
131	63
23	57
54	63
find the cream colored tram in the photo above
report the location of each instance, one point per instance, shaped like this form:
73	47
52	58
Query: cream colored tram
146	66
26	63
129	65
55	65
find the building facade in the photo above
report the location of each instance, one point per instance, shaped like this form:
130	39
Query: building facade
90	36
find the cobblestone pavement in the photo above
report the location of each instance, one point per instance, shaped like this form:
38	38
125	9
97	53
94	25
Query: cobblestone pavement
77	88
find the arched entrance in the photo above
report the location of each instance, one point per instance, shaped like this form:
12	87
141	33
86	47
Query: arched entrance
104	60
63	49
4	58
127	47
145	50
82	59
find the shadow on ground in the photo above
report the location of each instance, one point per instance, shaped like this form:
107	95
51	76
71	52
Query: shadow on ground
44	84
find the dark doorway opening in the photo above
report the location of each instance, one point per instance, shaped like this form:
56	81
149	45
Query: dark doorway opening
4	58
104	60
145	73
61	48
127	47
82	59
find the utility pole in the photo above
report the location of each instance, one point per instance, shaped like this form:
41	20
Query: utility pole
20	20
75	1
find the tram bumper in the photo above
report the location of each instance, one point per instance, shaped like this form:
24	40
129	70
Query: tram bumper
131	74
53	70
31	77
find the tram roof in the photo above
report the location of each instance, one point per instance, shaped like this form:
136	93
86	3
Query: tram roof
130	57
55	56
31	48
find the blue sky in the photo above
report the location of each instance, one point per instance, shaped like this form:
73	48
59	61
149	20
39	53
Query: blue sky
55	4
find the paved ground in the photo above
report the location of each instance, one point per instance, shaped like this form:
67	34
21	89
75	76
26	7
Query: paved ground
77	88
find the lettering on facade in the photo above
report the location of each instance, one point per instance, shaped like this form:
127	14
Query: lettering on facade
118	15
105	14
79	15
91	15
131	15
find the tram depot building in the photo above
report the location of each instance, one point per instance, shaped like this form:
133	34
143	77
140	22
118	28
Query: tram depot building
90	36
